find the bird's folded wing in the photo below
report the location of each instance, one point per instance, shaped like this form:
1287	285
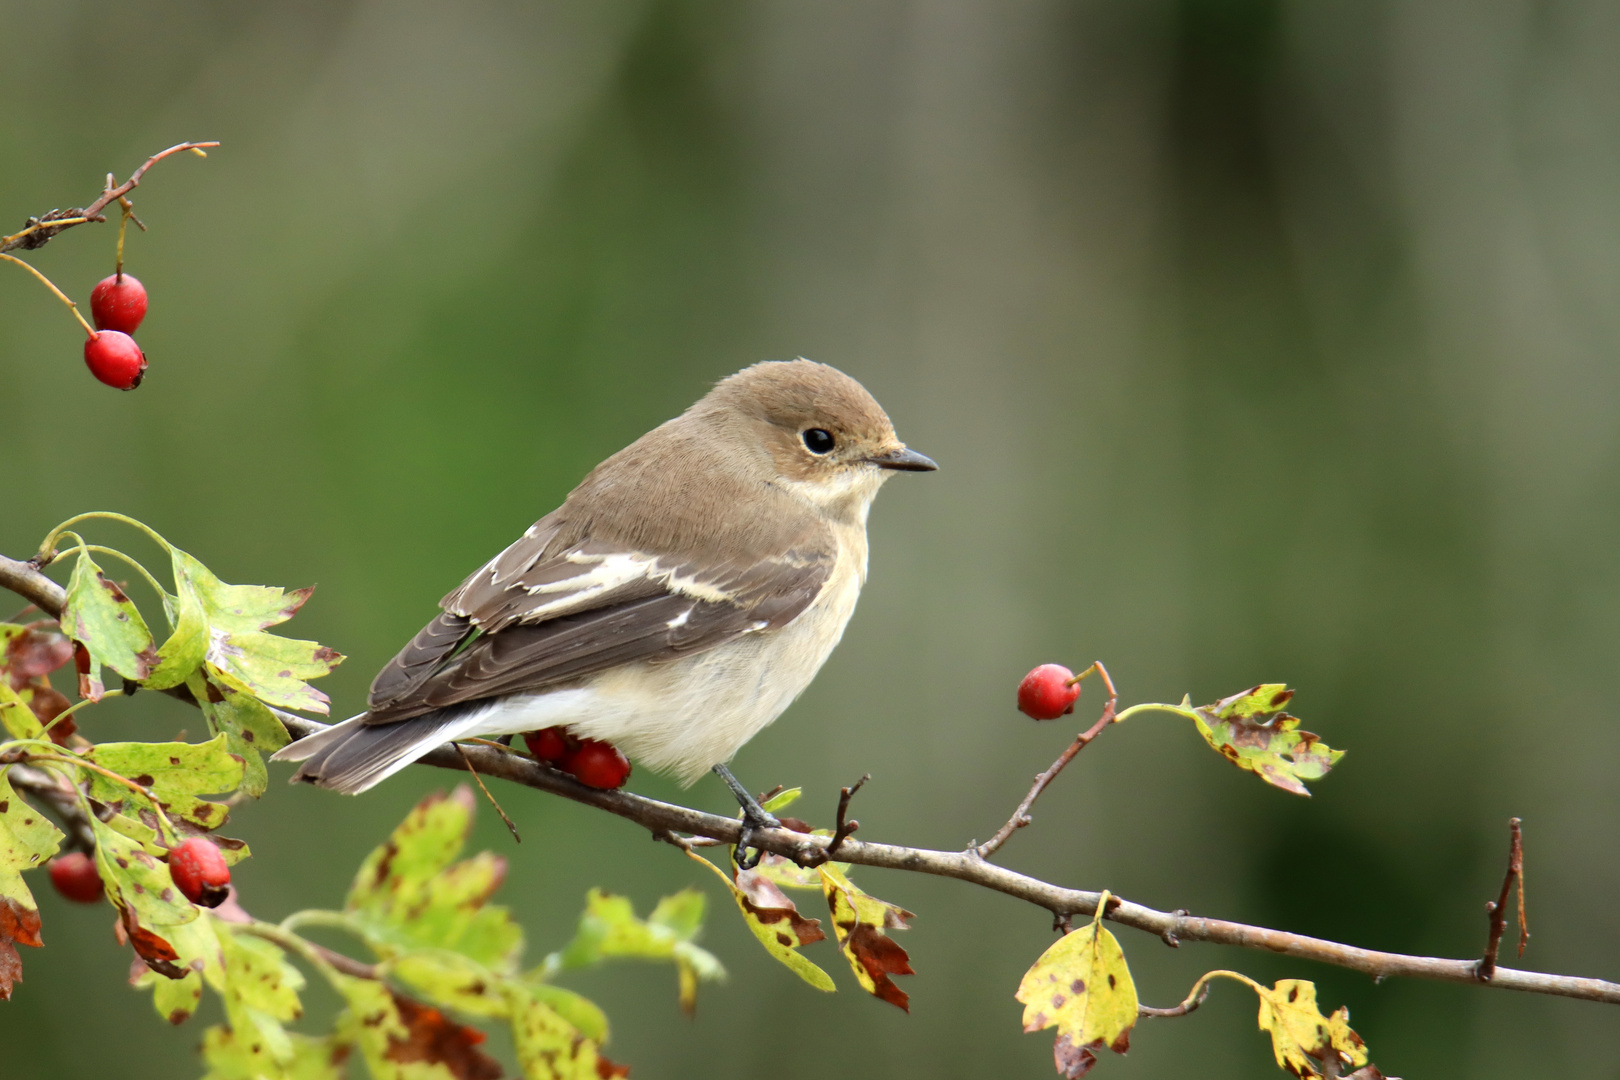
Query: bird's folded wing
533	617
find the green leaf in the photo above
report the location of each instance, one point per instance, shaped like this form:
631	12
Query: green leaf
1251	731
174	772
782	800
410	893
862	923
402	1039
108	624
680	913
251	730
451	980
775	921
1083	987
271	668
27	839
174	999
15	715
182	654
1301	1037
579	1011
549	1047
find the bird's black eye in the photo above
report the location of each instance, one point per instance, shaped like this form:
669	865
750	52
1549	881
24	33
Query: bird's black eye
818	440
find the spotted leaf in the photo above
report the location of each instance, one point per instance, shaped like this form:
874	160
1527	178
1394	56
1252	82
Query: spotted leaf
99	616
862	923
775	921
1251	731
1301	1036
1082	987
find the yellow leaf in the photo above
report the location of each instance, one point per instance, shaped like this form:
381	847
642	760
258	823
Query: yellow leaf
861	922
1082	986
1300	1035
776	922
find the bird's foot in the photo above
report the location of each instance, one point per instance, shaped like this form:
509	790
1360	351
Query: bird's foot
755	818
745	838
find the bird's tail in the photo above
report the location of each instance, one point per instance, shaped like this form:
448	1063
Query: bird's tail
355	756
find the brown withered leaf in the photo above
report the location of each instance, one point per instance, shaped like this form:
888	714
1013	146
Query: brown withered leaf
10	969
862	922
430	1037
30	653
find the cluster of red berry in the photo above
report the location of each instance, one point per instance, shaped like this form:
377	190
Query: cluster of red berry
197	867
118	304
590	761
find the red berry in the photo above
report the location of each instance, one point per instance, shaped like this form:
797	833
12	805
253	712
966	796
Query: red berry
598	765
118	303
115	359
551	746
75	877
199	871
1046	694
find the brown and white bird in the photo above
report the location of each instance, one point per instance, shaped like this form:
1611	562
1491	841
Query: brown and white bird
676	603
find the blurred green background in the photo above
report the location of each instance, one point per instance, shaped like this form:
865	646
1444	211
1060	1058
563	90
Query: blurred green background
1256	340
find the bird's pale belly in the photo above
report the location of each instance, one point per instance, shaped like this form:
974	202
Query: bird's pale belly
685	716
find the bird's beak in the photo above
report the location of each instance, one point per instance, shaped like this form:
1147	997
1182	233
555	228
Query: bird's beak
903	459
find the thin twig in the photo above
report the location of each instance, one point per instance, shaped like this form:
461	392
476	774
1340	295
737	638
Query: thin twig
661	817
846	824
511	828
42	229
1496	910
1020	817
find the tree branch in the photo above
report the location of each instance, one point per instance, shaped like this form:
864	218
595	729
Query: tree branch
665	819
39	231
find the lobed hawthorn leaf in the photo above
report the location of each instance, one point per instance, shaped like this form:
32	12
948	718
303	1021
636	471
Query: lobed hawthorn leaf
402	1039
1301	1037
175	773
27	839
608	928
28	655
99	616
862	922
233	641
1250	730
1081	986
775	921
411	894
550	1045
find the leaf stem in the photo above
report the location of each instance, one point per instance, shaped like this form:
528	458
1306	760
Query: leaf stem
47	547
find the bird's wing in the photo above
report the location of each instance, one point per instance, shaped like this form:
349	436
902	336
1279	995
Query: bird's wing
541	613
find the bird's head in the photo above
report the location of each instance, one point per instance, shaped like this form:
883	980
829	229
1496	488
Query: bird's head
828	439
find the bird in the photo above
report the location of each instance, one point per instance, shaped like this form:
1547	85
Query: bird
675	604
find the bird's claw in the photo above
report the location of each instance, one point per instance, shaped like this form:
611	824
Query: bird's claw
751	824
